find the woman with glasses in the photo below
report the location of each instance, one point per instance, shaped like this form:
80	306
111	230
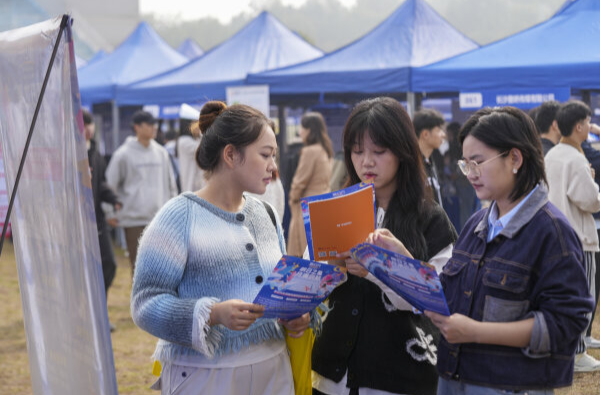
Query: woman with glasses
515	284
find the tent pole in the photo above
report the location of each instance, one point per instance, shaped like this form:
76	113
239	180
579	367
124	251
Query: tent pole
586	97
115	125
411	103
282	136
63	25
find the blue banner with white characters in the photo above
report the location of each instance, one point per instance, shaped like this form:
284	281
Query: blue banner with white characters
521	98
297	286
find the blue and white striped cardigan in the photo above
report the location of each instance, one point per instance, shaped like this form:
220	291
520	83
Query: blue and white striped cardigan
192	255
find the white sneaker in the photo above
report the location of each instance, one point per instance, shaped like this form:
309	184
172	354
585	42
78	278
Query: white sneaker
586	363
590	342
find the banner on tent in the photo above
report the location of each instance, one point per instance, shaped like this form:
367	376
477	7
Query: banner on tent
256	96
520	98
163	112
54	225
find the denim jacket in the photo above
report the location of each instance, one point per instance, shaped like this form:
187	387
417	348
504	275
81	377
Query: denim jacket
532	268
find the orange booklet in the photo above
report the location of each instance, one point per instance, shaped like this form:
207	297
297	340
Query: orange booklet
337	221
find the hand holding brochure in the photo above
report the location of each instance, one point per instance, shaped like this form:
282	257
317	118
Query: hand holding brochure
337	221
416	281
298	286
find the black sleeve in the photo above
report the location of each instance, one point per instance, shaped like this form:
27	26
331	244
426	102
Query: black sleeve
106	194
439	231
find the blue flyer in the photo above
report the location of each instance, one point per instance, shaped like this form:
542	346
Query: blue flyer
297	286
416	281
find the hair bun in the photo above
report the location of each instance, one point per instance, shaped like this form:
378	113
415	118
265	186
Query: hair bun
210	111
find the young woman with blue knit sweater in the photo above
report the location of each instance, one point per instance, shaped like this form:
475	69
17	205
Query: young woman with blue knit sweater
203	259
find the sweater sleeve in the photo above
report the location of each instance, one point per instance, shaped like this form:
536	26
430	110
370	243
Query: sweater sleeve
116	171
583	190
161	262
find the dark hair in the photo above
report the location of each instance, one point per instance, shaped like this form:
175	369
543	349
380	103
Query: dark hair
141	116
239	125
171	135
505	128
427	118
533	114
87	117
545	115
569	114
389	126
314	122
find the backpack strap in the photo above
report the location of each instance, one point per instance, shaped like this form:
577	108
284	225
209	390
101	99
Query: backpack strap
270	212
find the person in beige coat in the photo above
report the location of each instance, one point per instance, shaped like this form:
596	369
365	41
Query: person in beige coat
573	190
312	176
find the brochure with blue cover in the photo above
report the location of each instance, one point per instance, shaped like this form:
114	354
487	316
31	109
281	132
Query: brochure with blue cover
335	222
415	281
297	286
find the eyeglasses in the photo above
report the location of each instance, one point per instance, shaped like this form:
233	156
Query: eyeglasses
468	166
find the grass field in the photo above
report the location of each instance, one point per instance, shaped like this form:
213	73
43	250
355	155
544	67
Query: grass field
131	346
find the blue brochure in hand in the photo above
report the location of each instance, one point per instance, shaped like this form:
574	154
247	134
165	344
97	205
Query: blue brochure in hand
416	281
298	286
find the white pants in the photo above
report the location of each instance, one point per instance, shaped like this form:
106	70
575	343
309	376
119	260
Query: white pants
270	377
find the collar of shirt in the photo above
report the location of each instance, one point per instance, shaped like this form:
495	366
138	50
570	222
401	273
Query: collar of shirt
495	224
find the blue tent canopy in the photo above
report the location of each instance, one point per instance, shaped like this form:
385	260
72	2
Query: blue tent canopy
563	51
97	56
141	55
414	35
190	49
263	44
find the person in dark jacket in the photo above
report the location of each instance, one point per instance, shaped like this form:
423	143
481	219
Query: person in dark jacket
372	340
102	193
515	285
547	126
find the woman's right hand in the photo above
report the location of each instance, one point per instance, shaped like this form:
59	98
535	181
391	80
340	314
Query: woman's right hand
385	239
235	314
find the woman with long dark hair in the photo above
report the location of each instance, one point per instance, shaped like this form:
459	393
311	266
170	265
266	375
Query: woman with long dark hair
372	341
312	175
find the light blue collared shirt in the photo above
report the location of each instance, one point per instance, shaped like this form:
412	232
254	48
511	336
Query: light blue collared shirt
496	224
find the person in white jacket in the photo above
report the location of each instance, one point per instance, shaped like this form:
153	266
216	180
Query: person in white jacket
140	172
573	190
191	176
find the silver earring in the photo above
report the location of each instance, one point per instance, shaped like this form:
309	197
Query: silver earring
515	170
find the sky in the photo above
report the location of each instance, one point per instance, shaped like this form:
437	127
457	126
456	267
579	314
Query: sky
223	10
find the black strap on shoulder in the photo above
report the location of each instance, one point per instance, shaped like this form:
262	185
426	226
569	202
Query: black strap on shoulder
271	213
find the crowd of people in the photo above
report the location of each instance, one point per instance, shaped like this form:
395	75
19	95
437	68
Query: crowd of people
204	224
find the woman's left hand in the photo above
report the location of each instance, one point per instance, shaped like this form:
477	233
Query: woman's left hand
297	326
456	328
353	267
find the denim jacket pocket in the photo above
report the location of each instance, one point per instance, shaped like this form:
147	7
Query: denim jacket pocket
500	279
453	267
501	310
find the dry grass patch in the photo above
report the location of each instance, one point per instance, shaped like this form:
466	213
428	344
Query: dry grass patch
132	347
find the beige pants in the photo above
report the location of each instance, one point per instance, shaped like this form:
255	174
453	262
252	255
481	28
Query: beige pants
270	377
